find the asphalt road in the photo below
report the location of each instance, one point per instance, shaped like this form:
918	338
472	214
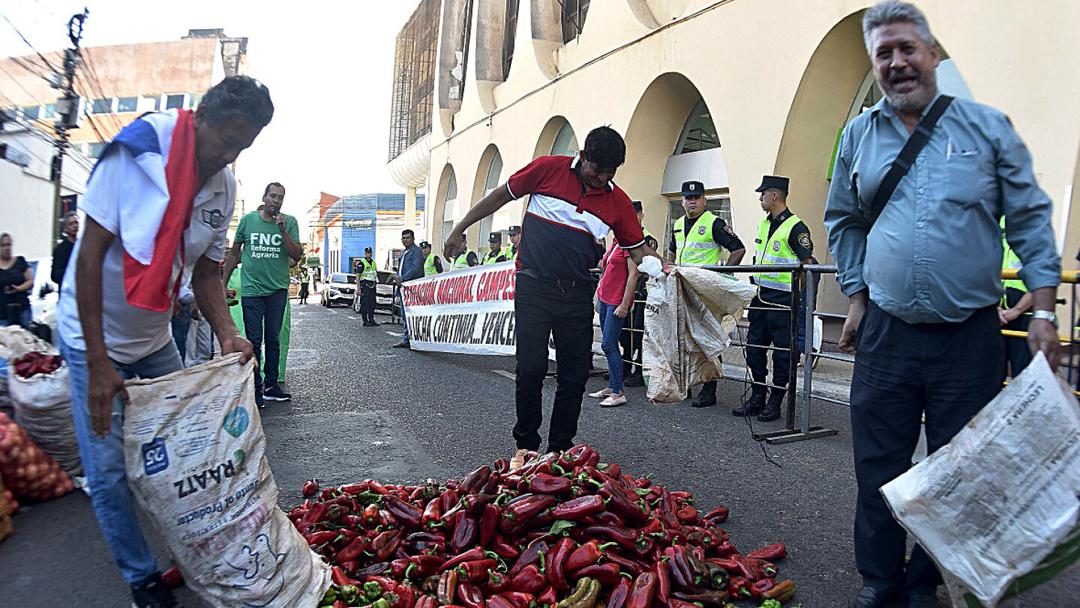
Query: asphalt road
362	409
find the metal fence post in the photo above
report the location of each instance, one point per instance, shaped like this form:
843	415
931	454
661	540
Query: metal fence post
808	350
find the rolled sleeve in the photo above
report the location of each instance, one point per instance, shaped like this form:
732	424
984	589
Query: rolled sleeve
845	224
1028	211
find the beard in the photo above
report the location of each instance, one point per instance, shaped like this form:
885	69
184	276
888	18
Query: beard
918	98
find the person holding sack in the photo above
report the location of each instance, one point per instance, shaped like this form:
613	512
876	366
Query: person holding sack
157	207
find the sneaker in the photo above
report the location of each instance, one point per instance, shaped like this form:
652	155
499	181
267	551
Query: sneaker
401	345
152	593
518	460
613	401
273	392
600	394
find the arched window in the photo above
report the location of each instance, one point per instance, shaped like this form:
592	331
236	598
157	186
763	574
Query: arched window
509	33
496	221
449	207
565	143
573	18
699	132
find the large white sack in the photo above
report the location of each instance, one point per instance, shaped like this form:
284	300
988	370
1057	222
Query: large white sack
995	501
196	462
689	317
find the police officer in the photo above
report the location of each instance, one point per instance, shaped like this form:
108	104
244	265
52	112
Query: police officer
515	239
1015	303
697	240
497	253
367	278
432	262
782	239
464	258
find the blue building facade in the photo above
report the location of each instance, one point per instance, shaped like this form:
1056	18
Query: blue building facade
354	222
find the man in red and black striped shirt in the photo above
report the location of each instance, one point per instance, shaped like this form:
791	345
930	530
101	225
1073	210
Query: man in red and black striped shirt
572	205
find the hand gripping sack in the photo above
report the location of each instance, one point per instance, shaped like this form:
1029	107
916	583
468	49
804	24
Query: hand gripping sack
195	455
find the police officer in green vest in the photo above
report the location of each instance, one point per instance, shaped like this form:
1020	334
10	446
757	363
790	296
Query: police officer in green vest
367	277
698	239
515	241
782	239
497	253
463	259
1015	303
432	262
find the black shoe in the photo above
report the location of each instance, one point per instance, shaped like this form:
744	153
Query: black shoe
873	597
152	593
635	380
705	398
401	345
772	408
753	405
273	392
922	598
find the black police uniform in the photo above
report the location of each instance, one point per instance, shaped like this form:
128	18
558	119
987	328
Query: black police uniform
367	294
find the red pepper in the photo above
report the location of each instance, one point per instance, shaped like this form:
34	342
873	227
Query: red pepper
470	596
354	549
464	534
531	555
447	589
501	466
424	565
607	573
377	487
739	587
579	508
520	512
677	603
472	555
497	601
372	517
474	503
725	549
687	514
406	513
718	515
311	487
432	513
448	500
502	547
529	580
585	555
620	593
338	576
542	483
631	566
340	604
313	516
406	596
475	480
663	582
623	536
606	518
497	582
398	566
489	521
548	597
385	544
476	571
519	599
620	503
426	601
752	568
680	569
641	595
556	559
320	538
758	589
709	598
772	553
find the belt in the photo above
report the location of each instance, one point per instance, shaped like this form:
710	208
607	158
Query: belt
560	283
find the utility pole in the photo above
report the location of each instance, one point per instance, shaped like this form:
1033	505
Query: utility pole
67	108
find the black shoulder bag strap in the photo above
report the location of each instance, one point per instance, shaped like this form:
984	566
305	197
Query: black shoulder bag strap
906	158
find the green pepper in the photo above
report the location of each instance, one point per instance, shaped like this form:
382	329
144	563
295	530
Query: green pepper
349	593
329	597
380	603
770	604
372	590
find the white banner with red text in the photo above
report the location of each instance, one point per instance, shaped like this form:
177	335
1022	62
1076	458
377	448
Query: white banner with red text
467	311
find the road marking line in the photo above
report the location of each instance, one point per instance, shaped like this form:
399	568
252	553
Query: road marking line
395	334
505	374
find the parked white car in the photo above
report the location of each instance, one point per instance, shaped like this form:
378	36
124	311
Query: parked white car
340	288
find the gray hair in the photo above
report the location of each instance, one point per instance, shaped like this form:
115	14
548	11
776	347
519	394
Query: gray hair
888	12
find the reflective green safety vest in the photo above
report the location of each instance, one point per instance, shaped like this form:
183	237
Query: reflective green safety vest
508	252
462	261
1010	261
491	257
699	249
368	271
775	250
429	265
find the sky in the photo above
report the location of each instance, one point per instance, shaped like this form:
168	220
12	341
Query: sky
328	65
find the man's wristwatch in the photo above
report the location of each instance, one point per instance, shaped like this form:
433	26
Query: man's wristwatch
1046	315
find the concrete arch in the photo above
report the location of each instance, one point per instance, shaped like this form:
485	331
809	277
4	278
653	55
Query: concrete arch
653	131
546	29
447	178
491	43
549	133
453	65
654	13
477	240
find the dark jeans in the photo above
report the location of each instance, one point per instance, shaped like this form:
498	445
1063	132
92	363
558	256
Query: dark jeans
367	300
181	325
269	309
768	328
944	371
565	313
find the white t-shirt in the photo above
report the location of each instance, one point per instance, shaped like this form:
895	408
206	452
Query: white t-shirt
133	333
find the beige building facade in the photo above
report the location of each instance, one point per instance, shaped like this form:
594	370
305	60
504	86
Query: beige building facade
723	92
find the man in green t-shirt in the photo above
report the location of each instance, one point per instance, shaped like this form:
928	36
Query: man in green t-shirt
265	241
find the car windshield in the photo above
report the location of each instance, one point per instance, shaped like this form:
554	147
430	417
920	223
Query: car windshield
343	278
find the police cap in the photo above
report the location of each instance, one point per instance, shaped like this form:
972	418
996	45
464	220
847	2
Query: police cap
495	237
514	230
693	189
773	181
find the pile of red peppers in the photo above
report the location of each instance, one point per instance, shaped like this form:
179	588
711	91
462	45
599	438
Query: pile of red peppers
563	531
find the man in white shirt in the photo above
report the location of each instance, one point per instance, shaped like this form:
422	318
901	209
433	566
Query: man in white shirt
110	331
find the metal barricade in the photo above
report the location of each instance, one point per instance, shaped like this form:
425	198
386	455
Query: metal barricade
1070	341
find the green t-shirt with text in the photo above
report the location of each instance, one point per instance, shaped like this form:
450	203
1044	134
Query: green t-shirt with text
264	262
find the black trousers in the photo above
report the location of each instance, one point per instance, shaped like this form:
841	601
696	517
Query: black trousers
565	313
944	371
1017	353
631	341
271	310
768	328
367	300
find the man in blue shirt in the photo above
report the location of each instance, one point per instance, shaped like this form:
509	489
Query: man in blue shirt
924	280
410	267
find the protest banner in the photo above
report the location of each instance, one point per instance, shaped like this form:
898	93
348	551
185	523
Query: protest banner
467	311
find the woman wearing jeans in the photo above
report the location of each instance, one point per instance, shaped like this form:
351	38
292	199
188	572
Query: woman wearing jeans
616	295
16	279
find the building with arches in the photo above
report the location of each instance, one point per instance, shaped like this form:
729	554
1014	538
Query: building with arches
719	91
